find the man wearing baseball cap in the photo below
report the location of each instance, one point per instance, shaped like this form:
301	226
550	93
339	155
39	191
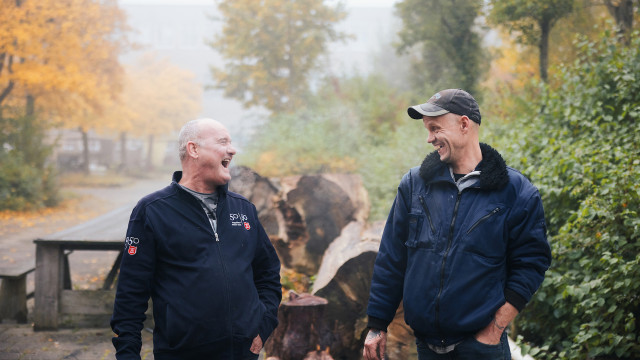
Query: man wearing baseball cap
464	247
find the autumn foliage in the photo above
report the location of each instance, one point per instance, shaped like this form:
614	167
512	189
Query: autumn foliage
64	52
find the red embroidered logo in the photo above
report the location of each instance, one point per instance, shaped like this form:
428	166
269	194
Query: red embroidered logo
132	250
247	226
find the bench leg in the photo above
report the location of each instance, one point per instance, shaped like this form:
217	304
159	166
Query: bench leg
13	299
49	273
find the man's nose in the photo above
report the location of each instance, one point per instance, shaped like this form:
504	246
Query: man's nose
430	138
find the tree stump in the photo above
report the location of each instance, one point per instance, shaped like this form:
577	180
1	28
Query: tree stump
302	328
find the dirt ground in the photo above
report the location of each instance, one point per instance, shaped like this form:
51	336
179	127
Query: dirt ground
88	268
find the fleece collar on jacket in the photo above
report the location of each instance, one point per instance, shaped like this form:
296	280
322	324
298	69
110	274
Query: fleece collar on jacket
493	169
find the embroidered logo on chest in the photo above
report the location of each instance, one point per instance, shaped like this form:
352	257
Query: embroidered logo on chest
239	219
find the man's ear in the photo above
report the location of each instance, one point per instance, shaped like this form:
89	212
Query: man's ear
192	149
465	123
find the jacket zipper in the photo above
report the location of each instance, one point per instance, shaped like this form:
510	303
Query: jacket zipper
213	227
444	261
426	211
482	219
224	272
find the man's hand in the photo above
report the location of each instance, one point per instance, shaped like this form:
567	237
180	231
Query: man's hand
492	332
256	345
375	345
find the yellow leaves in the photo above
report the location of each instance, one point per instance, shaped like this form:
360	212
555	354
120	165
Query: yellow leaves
62	48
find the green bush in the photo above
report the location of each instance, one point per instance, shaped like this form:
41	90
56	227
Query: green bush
27	182
582	149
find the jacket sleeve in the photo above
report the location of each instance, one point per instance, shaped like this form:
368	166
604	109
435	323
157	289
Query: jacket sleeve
528	252
266	277
134	287
389	268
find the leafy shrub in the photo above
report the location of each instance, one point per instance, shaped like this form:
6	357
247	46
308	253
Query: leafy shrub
27	182
582	150
23	186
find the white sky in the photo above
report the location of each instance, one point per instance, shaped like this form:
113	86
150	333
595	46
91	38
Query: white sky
349	3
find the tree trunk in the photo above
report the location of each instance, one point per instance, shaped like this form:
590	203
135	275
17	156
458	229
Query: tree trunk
149	165
317	225
30	107
261	192
85	151
545	29
622	11
303	215
344	279
301	329
7	90
123	152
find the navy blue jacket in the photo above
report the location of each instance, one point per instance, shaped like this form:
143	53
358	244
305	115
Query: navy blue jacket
455	255
210	297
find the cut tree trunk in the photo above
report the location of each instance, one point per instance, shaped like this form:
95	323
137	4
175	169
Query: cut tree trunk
302	329
317	225
262	193
344	279
303	215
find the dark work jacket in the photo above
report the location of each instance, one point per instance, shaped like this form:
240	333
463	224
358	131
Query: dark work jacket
454	255
211	294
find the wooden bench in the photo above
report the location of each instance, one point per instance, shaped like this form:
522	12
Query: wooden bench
13	291
13	288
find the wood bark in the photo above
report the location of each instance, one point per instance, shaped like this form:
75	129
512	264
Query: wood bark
344	279
302	329
318	225
303	215
262	192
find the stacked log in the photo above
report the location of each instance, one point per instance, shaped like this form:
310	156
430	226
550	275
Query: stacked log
318	226
303	214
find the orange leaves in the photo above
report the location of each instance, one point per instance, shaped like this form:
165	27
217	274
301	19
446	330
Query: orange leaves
59	48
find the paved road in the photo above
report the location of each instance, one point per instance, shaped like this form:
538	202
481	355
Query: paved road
87	269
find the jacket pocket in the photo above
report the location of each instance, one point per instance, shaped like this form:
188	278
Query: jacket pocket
420	234
483	219
428	214
485	235
184	331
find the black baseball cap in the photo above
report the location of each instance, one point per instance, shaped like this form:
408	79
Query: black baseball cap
455	101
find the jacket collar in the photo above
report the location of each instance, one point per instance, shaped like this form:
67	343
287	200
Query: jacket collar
493	169
222	190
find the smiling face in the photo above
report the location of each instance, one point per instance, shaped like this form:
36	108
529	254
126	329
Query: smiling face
214	153
446	136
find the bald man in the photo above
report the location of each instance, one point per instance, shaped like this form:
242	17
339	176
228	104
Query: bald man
464	246
200	253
